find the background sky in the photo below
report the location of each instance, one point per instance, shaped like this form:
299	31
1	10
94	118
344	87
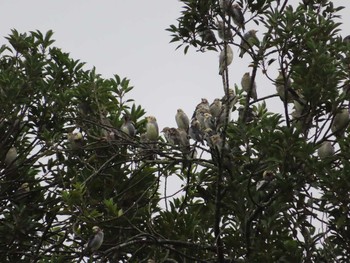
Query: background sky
128	38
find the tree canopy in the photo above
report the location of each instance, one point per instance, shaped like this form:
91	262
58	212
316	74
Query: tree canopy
79	158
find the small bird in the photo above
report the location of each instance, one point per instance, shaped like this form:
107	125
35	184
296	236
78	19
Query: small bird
246	83
340	122
249	40
326	150
225	6
195	131
203	105
200	116
220	120
215	108
225	58
216	142
230	99
75	140
209	121
237	15
128	126
182	120
207	36
347	39
11	156
152	131
224	31
95	241
171	135
183	139
281	84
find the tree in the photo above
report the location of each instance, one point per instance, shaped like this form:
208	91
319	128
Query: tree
258	186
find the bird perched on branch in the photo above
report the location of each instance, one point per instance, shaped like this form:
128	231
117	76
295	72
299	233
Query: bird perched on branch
225	58
11	156
224	31
182	120
326	150
128	126
237	16
340	122
94	242
249	40
215	108
283	87
152	131
246	83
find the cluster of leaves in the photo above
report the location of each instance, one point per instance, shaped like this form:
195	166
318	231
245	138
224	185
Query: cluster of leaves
278	201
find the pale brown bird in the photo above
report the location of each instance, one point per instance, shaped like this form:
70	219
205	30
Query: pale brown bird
11	156
195	131
152	131
225	6
182	120
207	36
209	121
249	40
224	31
170	135
326	150
283	84
340	122
246	83
237	15
128	126
202	106
94	242
230	99
215	108
76	140
225	59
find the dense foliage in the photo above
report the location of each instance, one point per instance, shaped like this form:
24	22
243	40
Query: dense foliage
259	185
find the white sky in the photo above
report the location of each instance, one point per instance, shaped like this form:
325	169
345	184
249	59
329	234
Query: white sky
128	38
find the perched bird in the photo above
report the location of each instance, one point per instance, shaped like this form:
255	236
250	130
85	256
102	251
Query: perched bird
237	15
11	156
249	40
225	113
215	108
195	131
209	121
200	116
281	84
152	131
183	139
95	240
128	126
340	122
171	135
347	39
203	105
326	150
224	31
75	140
182	120
225	6
246	83
22	193
215	141
230	99
225	58
207	36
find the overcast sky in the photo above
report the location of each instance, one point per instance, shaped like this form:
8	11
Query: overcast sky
128	38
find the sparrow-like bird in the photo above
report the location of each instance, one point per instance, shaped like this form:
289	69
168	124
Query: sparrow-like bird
182	120
75	140
340	122
209	121
224	31
94	242
152	131
11	156
282	84
195	131
230	99
215	108
246	83
249	40
207	36
225	58
237	15
326	150
203	105
128	126
225	6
